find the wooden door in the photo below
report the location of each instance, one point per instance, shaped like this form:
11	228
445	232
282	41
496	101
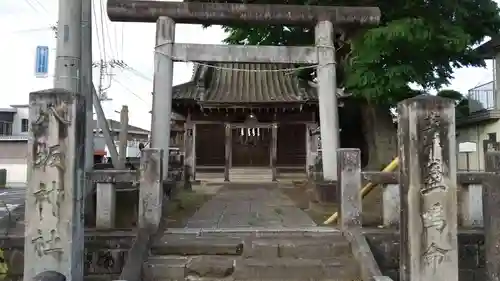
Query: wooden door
251	147
291	145
210	145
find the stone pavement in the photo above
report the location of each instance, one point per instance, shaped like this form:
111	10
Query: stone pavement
249	205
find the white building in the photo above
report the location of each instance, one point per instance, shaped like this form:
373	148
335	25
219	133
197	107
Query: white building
482	125
14	126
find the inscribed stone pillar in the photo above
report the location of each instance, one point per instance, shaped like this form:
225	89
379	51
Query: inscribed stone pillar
162	85
54	211
428	182
471	204
390	205
123	137
311	149
227	156
105	206
496	85
349	188
274	150
193	152
491	215
151	188
188	150
328	109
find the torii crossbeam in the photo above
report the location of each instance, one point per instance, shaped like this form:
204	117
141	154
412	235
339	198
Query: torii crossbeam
230	13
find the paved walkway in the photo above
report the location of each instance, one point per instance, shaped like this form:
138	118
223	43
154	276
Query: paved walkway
249	206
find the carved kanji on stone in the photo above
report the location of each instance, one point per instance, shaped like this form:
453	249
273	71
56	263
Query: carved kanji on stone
48	165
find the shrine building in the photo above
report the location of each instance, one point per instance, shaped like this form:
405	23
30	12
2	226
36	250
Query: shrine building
248	116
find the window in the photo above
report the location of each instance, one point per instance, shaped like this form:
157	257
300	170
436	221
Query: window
24	125
492	137
5	128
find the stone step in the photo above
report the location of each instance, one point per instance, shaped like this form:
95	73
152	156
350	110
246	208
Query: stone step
270	244
101	277
188	245
339	269
250	169
237	268
307	248
258	232
250	173
181	267
253	176
87	277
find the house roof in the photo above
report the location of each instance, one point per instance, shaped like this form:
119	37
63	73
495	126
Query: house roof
245	83
489	49
115	126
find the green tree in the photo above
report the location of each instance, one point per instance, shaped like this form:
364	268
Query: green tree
417	41
462	103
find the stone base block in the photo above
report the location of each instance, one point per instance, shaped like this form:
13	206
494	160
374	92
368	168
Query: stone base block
169	268
127	208
261	248
198	246
326	191
211	266
294	269
299	248
322	248
169	188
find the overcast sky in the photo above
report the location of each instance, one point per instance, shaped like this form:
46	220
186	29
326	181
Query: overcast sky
26	24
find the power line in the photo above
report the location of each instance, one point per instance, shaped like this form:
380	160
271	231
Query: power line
94	14
42	6
45	13
31	5
51	27
122	39
138	73
128	89
101	17
105	27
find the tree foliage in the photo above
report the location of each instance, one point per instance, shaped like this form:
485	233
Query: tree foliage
461	102
417	41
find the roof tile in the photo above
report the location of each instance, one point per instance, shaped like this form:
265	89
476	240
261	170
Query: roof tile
245	83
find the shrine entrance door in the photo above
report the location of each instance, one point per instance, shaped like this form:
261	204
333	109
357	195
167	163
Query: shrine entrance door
251	146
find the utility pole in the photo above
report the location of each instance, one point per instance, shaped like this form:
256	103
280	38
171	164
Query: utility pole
123	137
101	90
68	54
67	76
86	70
103	66
99	96
54	234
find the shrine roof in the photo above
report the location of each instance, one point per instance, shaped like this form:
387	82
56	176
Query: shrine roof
245	83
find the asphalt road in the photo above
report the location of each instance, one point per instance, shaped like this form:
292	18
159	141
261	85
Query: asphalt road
11	198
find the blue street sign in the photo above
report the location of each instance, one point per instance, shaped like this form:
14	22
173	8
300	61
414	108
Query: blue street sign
42	61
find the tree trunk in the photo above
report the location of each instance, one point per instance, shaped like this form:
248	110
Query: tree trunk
380	134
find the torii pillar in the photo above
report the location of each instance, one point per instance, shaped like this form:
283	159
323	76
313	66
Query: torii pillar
162	89
327	89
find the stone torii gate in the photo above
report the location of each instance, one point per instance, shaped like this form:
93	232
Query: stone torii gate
167	14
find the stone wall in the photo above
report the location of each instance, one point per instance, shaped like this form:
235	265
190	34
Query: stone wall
105	254
385	247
